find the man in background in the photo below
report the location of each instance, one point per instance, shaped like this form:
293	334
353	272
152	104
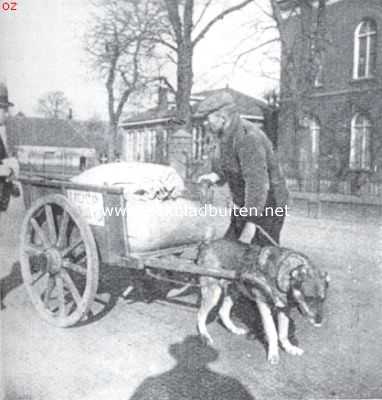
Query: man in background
9	167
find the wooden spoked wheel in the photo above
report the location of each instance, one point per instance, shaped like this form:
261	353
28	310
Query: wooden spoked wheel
59	260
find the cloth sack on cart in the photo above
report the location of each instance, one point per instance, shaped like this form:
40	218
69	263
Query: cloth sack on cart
146	181
158	213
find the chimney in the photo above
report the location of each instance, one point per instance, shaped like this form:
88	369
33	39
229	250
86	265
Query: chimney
70	114
162	96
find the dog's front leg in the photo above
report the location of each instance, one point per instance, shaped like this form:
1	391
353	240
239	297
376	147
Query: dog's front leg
283	325
225	315
270	331
210	295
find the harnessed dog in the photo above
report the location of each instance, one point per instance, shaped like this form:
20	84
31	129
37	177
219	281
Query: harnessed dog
282	279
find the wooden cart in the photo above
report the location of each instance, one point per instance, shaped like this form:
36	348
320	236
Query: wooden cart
64	238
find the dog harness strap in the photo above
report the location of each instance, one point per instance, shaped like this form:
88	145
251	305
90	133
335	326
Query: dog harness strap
266	291
284	267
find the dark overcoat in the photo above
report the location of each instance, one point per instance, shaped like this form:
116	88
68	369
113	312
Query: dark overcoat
245	159
4	185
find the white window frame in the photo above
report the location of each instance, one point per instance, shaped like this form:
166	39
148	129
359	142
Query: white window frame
359	158
141	145
319	73
198	142
357	37
315	131
165	144
318	65
150	145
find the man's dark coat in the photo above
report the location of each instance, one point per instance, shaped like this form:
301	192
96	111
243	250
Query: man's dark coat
4	185
246	161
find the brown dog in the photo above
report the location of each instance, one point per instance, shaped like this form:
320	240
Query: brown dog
282	278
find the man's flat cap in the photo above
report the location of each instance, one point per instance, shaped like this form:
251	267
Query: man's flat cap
213	103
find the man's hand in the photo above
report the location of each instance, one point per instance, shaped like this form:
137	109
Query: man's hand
5	171
248	233
213	178
13	165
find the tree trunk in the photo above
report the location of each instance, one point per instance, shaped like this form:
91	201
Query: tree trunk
184	84
111	140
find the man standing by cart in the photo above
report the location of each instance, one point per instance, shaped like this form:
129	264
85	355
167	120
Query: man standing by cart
245	159
8	165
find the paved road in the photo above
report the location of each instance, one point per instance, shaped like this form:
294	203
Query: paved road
148	351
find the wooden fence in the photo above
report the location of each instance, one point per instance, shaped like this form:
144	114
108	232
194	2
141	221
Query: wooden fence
326	186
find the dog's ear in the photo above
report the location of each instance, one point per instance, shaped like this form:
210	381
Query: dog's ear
299	273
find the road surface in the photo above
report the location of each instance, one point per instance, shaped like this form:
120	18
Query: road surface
136	350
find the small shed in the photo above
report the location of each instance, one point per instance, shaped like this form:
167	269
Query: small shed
47	145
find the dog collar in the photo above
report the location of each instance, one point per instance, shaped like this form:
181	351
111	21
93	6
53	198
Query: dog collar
289	261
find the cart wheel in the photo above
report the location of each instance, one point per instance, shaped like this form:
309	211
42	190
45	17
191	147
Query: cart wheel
59	260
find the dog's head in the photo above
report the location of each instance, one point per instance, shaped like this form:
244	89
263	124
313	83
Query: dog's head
306	284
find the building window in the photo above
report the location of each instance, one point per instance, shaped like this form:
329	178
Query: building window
317	64
163	147
365	49
147	145
140	153
318	70
151	144
198	142
314	129
360	142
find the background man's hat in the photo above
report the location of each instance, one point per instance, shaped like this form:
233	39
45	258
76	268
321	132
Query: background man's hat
214	103
4	103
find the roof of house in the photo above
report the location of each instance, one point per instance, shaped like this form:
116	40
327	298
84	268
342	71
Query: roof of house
289	4
248	107
153	115
44	132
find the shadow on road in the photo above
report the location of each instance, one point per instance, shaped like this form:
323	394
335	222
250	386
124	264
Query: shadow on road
191	378
10	282
132	286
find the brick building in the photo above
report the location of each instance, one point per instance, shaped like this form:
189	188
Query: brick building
338	142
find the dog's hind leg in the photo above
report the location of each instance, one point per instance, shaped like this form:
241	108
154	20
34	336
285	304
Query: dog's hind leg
210	293
283	325
225	315
270	331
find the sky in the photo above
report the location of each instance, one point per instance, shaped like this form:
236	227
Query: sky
41	50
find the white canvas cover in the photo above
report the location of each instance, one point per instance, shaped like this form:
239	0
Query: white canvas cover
156	213
145	180
158	224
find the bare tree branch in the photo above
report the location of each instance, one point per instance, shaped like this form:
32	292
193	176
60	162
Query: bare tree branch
257	47
217	18
202	13
166	43
53	105
120	44
173	14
